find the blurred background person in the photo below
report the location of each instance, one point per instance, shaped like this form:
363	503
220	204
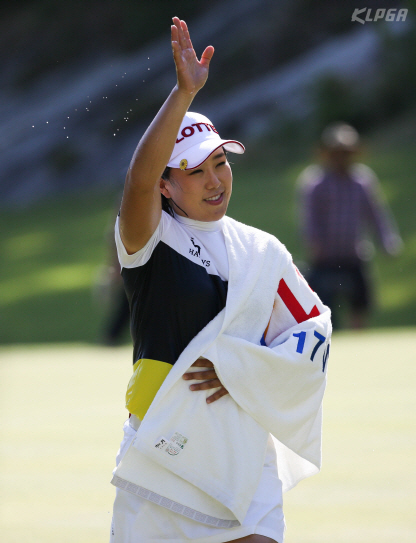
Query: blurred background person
109	293
341	205
117	320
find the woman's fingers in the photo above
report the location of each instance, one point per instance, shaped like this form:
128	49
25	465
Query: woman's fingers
207	56
176	48
203	363
191	72
174	33
209	378
217	395
181	34
183	41
200	375
212	383
186	35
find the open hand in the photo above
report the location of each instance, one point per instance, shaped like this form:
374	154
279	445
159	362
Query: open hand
209	377
191	73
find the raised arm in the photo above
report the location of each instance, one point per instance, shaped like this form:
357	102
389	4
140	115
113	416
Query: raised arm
141	206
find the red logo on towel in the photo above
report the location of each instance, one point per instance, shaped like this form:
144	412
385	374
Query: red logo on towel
293	305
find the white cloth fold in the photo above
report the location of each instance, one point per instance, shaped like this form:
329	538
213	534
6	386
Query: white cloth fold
209	458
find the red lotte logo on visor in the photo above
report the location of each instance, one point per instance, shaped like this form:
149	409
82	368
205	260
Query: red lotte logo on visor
196	140
191	130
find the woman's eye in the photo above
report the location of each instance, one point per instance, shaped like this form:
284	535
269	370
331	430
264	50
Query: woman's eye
195	171
221	164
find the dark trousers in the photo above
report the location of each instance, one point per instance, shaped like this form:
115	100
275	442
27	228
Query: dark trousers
341	284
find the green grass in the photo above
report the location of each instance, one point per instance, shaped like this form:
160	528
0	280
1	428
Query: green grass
366	490
52	254
52	258
61	414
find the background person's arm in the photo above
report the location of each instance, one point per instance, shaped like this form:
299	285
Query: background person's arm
378	213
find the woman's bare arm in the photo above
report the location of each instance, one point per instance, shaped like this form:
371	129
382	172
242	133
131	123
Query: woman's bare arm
141	204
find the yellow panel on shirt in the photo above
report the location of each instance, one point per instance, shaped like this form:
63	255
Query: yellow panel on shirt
148	376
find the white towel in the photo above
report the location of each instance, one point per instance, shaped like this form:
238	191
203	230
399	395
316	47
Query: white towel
205	461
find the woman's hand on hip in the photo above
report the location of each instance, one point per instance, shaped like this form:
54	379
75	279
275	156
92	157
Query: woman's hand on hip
191	72
209	378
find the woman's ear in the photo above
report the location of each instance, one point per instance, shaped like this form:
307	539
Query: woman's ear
164	187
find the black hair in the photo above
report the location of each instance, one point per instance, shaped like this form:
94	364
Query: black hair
165	201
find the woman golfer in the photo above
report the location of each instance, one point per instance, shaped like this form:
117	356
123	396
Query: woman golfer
177	272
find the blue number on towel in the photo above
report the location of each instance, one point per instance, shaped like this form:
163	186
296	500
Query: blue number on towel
301	341
321	339
325	357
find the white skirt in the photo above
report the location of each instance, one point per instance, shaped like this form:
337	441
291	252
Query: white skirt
136	520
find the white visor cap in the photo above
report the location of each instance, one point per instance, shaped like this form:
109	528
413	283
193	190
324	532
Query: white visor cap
197	139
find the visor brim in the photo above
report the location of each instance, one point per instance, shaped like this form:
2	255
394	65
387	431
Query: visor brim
197	154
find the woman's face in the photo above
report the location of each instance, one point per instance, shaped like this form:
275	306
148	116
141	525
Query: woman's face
201	194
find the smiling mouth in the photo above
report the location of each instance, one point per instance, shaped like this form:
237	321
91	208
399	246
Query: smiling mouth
214	198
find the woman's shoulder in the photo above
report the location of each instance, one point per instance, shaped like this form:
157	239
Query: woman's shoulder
252	235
